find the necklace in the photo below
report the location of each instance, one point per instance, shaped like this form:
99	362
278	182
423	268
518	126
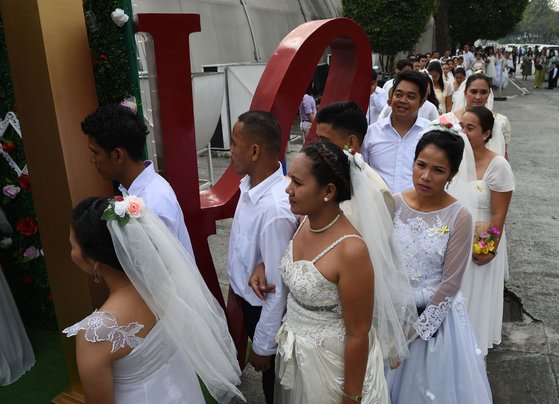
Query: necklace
322	229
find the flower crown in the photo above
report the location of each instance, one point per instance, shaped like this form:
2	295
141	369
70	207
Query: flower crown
444	125
122	209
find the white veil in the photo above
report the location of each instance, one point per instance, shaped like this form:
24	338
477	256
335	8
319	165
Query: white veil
394	311
171	285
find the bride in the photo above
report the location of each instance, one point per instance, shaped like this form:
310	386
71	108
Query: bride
160	327
477	92
327	349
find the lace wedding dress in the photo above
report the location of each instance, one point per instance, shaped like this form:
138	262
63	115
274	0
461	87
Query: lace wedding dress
311	341
483	285
16	354
153	372
444	365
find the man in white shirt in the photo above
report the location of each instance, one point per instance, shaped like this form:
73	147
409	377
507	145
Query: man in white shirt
468	57
377	100
344	124
117	138
389	146
262	227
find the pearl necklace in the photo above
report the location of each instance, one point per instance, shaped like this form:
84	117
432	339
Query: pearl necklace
322	229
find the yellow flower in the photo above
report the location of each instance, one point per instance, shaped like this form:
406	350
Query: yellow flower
479	187
443	230
477	248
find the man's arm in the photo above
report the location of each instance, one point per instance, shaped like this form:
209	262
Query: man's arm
273	242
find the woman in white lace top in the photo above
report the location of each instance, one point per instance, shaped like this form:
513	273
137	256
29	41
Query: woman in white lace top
444	365
327	349
160	326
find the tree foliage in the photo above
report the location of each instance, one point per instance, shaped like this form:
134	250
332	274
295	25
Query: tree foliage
540	23
488	19
391	26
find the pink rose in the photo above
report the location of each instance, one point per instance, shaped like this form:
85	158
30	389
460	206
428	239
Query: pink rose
135	206
443	120
31	253
484	235
11	191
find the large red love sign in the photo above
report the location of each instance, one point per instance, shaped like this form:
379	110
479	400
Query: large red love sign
284	81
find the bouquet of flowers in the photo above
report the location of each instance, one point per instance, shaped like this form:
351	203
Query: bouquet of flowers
484	243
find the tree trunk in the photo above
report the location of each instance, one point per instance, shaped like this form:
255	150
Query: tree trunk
442	39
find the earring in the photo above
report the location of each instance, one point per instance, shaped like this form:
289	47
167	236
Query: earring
325	199
96	277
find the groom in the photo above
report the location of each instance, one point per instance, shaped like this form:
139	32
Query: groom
117	138
262	227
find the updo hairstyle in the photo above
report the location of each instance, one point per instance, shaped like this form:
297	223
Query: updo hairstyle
486	119
92	233
451	144
330	165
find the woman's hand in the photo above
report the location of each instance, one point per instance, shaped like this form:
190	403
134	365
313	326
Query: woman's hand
482	259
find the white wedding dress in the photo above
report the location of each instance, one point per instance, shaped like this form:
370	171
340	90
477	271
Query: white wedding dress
483	285
153	372
311	341
444	365
16	354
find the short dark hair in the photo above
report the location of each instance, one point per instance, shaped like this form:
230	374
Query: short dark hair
452	145
374	75
113	126
414	77
330	166
460	70
478	76
92	233
402	63
345	117
264	128
485	117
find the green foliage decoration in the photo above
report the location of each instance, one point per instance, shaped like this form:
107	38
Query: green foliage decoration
391	26
482	19
116	78
20	250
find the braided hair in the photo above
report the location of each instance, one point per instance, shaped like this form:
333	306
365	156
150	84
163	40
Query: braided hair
330	166
92	233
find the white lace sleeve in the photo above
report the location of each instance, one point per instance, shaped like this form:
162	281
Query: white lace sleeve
458	253
100	326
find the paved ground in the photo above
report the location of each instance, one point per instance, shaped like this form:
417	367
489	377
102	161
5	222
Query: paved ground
523	369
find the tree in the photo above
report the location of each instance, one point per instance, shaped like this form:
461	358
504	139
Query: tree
442	39
540	22
488	19
391	26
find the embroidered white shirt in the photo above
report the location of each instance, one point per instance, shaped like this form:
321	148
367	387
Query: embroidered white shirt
161	199
390	154
262	228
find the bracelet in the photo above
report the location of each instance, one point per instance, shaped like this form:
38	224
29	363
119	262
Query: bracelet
357	399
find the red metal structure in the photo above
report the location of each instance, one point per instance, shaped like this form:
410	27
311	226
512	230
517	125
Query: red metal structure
287	75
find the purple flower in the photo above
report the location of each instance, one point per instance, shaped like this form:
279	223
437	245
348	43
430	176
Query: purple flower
31	253
495	230
10	191
484	235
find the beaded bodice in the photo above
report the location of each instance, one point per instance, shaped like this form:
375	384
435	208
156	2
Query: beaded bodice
314	310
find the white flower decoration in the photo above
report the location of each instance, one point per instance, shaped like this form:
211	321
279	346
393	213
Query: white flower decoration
119	17
121	208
